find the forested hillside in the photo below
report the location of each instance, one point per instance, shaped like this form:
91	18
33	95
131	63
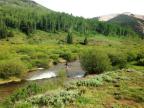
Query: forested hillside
131	21
28	16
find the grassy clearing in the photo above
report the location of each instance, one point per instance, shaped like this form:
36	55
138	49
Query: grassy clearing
124	91
116	89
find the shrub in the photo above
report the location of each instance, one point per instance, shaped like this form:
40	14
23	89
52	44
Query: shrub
118	60
131	56
62	76
23	93
5	54
89	83
140	62
38	55
41	63
94	61
24	105
69	56
10	34
56	100
11	68
140	55
135	94
85	41
27	60
140	58
55	58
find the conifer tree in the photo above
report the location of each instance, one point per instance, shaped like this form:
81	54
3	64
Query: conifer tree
69	38
85	41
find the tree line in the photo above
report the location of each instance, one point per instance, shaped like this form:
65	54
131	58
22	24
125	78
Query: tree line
28	20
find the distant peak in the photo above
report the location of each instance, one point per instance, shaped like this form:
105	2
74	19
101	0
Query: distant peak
128	13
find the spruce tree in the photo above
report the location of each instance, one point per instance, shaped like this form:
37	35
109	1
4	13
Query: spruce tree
85	41
3	30
69	38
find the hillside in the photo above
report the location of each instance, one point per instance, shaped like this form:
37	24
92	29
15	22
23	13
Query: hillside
136	22
130	21
28	16
111	16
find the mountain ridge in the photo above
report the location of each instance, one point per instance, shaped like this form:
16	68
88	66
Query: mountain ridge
111	16
28	16
126	19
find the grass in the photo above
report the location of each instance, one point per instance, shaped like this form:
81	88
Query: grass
44	49
126	92
117	89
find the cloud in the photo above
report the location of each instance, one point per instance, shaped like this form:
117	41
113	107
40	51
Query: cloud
93	8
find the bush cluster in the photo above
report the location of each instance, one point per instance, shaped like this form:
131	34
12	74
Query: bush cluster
11	68
94	61
140	58
96	81
131	56
23	93
41	63
57	100
69	56
118	60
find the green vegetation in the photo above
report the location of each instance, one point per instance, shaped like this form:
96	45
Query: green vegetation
140	58
103	87
94	61
51	21
43	49
43	38
85	41
112	89
131	22
25	92
11	68
57	100
119	60
69	38
22	93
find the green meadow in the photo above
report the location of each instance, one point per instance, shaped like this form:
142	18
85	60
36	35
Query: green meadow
121	86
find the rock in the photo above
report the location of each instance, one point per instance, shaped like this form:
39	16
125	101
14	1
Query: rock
62	61
130	70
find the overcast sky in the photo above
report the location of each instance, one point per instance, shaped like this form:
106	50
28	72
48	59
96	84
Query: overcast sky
93	8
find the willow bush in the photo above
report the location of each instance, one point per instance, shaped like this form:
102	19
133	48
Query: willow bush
11	68
118	60
94	61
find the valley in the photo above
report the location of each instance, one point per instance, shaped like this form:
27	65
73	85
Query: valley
50	59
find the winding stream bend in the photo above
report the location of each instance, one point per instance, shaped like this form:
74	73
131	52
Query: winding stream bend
41	75
74	71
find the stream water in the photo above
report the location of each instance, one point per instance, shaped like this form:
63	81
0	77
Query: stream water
41	75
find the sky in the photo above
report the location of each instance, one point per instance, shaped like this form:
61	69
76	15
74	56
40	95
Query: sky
94	8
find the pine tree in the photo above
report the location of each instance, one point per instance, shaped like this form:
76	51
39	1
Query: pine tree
85	41
3	30
69	38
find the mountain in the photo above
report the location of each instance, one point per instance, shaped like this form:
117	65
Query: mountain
20	5
136	22
27	16
107	17
111	16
